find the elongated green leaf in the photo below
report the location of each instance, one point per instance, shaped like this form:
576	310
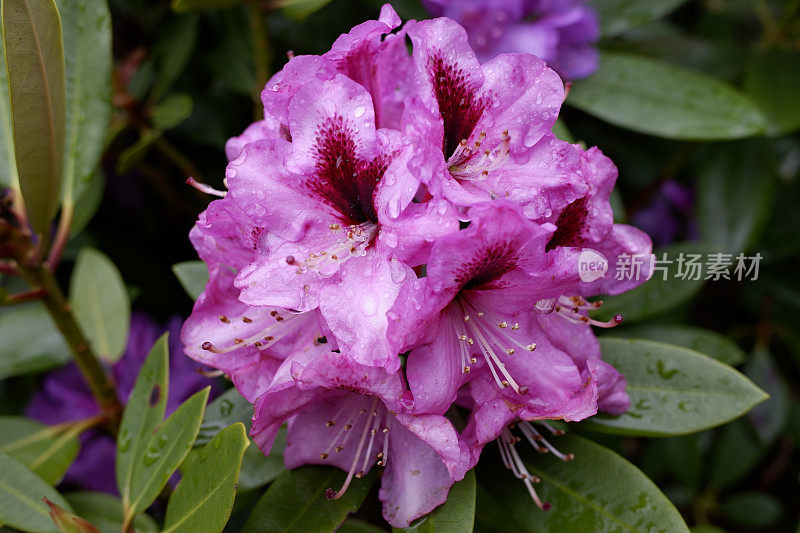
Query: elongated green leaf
47	450
87	51
771	80
68	522
353	525
618	16
193	276
664	291
228	409
174	50
300	9
8	162
105	511
182	6
31	342
145	410
170	112
598	491
296	501
734	194
21	493
737	452
100	303
165	451
673	391
455	515
664	100
769	418
204	498
35	68
700	340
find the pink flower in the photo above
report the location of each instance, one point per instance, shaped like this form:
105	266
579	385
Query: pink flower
487	127
352	416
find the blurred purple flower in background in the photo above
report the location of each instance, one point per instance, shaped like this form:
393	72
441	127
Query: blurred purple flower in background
668	218
64	397
562	32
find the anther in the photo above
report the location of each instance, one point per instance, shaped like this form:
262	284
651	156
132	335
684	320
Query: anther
510	351
247	320
323	456
503	324
330	423
224	319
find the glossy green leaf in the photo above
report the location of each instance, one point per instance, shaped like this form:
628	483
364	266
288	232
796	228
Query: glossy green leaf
89	202
87	51
660	99
8	161
734	194
182	6
768	419
597	491
105	511
455	515
673	391
34	57
664	291
296	501
618	16
193	276
47	450
204	498
700	340
229	408
771	79
171	111
68	522
165	451
489	512
100	303
31	342
21	493
144	412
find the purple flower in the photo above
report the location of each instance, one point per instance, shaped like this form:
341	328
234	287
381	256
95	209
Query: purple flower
486	128
64	397
668	216
561	32
337	206
352	416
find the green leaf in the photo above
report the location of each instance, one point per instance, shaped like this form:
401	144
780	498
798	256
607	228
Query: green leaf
47	450
68	522
89	202
8	161
34	57
618	16
31	342
182	6
597	491
171	111
664	100
165	451
144	412
673	391
752	510
174	51
87	50
734	194
193	276
770	418
100	303
700	340
561	131
105	511
228	409
455	515
300	9
296	501
662	292
771	80
21	493
737	451
204	498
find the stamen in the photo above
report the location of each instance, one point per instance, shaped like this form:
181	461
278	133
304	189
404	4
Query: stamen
264	338
513	462
463	166
356	240
202	187
573	308
335	495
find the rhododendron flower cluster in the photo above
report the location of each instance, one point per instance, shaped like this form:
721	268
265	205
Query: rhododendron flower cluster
400	235
562	32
